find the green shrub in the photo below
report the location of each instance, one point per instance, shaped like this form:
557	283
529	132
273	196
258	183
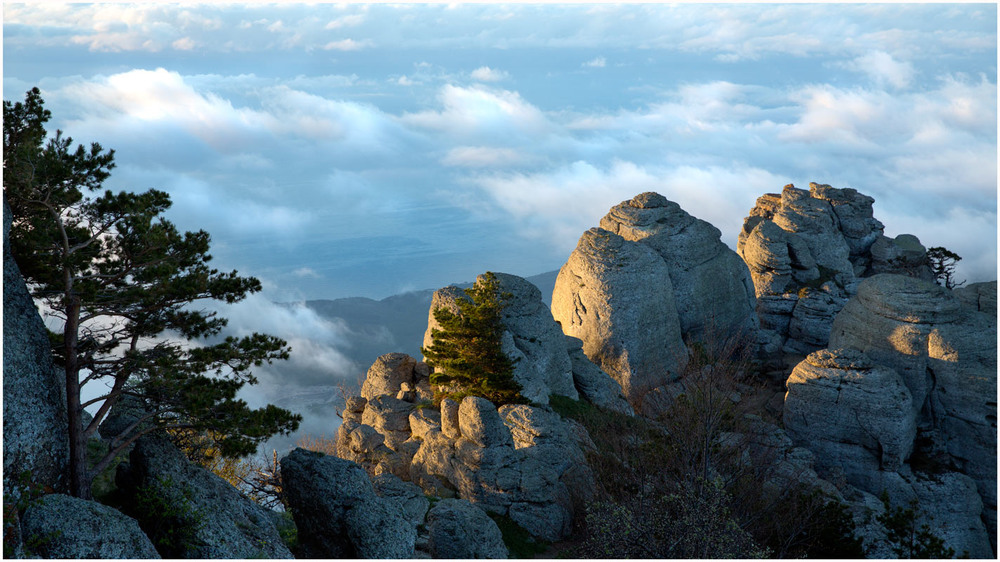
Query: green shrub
167	516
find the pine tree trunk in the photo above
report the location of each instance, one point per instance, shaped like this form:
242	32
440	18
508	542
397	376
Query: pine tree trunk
79	482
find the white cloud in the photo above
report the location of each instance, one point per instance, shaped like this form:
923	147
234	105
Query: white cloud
345	21
883	69
598	62
478	110
561	204
346	45
184	44
483	156
487	74
306	272
404	81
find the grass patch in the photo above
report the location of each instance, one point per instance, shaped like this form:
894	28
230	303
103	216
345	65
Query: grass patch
519	542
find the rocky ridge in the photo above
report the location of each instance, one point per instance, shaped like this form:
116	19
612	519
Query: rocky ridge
807	251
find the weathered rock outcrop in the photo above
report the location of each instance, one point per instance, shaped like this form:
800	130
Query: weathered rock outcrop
521	461
850	411
35	438
458	529
338	513
617	297
713	292
532	339
945	353
59	526
229	525
806	251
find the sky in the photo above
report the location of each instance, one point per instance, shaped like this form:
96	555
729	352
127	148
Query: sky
338	150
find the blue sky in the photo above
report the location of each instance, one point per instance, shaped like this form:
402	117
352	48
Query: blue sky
365	150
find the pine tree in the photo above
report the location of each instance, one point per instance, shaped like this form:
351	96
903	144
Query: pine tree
466	352
943	263
121	278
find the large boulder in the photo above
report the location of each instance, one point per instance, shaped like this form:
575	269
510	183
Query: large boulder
712	288
388	374
338	513
35	435
617	297
59	526
218	521
460	530
850	412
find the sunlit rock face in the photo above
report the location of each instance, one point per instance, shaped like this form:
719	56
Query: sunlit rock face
850	411
521	461
648	280
946	354
713	292
617	297
806	251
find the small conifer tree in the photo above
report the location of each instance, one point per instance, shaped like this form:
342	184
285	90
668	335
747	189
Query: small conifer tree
466	352
943	262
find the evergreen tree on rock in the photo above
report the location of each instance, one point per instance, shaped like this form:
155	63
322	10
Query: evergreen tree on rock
122	280
467	351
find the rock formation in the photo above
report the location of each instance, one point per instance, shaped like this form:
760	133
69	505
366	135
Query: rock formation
649	279
35	438
845	407
458	529
59	526
945	353
713	292
806	251
617	297
338	513
228	524
521	461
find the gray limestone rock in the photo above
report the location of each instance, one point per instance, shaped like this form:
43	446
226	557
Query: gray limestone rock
387	374
946	355
231	526
35	437
850	412
854	214
390	417
605	295
480	423
59	526
981	297
713	291
594	385
536	339
407	495
809	326
460	530
799	241
903	255
815	222
338	513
